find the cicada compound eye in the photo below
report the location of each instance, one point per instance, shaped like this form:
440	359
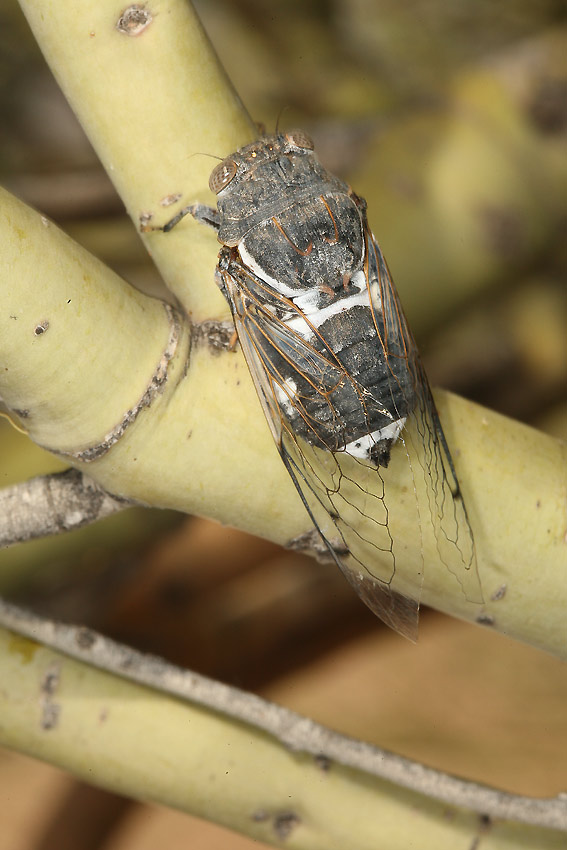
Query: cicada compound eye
222	174
300	139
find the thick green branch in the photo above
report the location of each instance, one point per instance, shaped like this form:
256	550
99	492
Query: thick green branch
203	439
70	327
156	104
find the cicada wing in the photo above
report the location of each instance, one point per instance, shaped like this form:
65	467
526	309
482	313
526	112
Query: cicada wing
438	492
346	500
345	496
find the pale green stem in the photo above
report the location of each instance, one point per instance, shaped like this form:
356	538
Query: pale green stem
272	774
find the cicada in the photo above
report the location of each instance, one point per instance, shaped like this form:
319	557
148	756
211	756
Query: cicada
335	367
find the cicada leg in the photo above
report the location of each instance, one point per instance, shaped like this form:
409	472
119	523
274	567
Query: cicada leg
200	212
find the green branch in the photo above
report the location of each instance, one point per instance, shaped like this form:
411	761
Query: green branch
232	757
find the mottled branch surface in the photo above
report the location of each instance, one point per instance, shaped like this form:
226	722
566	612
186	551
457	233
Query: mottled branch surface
52	504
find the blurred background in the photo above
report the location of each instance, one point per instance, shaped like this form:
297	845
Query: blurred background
451	119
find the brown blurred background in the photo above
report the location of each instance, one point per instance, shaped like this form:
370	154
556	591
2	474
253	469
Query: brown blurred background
451	119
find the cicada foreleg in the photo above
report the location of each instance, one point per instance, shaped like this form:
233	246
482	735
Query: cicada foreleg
200	212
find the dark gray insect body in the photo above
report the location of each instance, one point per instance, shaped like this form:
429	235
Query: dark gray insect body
334	364
301	232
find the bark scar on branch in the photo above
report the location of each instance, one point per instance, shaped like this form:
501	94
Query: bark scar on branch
156	386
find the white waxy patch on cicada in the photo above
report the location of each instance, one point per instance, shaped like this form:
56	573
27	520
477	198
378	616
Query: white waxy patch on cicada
300	325
306	301
316	316
286	393
320	315
363	446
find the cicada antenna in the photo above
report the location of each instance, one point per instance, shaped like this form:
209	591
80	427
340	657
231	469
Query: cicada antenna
202	153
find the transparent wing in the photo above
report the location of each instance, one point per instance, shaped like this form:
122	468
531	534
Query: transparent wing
364	513
438	491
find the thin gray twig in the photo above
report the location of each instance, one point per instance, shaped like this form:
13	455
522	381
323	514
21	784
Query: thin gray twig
53	504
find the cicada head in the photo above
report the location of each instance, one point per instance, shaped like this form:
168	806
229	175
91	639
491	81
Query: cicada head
247	160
